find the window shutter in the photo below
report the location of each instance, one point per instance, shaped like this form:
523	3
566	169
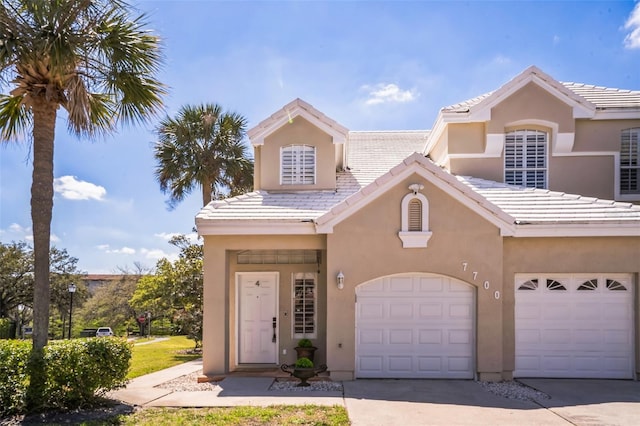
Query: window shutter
525	158
298	165
415	215
630	161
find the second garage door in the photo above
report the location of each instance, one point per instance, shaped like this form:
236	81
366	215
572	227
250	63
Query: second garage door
574	326
417	326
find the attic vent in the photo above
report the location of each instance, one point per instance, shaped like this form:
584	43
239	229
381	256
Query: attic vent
415	215
414	230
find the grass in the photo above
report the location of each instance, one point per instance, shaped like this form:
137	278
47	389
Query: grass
272	415
157	356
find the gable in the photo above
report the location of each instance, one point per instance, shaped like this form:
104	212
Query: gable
420	166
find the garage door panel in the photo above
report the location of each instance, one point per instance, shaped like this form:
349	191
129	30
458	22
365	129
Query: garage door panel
401	337
585	331
429	337
400	311
460	310
422	331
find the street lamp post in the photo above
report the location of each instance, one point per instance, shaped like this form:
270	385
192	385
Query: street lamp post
72	289
20	331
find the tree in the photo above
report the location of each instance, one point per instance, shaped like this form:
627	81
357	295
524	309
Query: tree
175	290
89	57
203	146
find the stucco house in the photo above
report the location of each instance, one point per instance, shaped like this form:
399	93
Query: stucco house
503	243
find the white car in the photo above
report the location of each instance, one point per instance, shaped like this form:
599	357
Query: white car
104	332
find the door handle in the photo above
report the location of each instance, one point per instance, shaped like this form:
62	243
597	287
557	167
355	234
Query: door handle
273	339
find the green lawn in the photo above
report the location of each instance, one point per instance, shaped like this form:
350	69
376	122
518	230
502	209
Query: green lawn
273	415
156	356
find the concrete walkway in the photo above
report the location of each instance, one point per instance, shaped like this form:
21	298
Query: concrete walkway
411	402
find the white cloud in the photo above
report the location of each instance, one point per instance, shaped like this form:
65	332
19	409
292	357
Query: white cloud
157	254
192	236
632	40
73	189
107	249
383	93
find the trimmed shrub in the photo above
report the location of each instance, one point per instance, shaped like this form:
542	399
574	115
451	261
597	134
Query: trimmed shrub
77	372
14	357
80	370
304	363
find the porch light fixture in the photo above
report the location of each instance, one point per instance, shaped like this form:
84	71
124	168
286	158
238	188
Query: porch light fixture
340	280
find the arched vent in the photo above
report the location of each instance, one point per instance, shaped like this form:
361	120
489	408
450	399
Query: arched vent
529	285
615	285
415	215
589	285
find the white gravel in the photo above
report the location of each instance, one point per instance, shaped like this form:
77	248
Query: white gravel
514	390
320	385
189	383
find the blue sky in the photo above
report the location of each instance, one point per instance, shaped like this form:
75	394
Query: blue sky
368	65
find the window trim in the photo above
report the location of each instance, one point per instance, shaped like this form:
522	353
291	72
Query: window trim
303	304
524	168
298	167
414	239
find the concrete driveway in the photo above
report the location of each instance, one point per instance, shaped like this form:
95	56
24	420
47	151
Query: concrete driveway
464	402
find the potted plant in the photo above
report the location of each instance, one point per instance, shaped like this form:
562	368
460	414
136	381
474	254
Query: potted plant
303	369
305	349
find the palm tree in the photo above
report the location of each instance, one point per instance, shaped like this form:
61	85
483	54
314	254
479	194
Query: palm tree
203	146
93	59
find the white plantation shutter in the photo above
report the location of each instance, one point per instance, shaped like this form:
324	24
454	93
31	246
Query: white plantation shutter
630	161
298	165
525	158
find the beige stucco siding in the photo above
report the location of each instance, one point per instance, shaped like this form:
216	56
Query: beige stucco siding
564	255
483	168
366	246
466	138
219	328
298	132
600	135
583	175
531	103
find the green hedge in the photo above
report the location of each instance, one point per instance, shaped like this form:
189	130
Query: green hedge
78	371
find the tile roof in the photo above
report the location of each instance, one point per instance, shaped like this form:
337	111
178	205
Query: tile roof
541	206
371	157
601	97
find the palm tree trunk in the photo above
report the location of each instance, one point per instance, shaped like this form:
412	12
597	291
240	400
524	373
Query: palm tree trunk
44	120
206	192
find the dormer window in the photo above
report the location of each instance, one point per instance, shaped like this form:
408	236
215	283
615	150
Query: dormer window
298	165
414	230
525	158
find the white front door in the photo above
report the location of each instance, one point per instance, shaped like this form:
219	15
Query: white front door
257	307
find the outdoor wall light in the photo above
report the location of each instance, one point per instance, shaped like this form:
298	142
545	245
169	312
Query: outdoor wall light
340	280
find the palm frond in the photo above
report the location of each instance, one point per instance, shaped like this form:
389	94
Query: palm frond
15	119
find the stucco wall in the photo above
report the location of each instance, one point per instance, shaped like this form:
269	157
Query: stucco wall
299	132
366	246
564	255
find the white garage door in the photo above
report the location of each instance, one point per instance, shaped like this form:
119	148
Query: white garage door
415	327
574	326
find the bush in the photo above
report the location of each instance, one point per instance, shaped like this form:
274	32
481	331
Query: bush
305	343
14	356
77	372
80	370
304	363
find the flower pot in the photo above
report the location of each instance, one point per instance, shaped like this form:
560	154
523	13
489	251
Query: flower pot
303	374
305	351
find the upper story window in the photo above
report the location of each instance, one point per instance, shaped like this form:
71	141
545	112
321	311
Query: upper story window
630	161
298	165
525	158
